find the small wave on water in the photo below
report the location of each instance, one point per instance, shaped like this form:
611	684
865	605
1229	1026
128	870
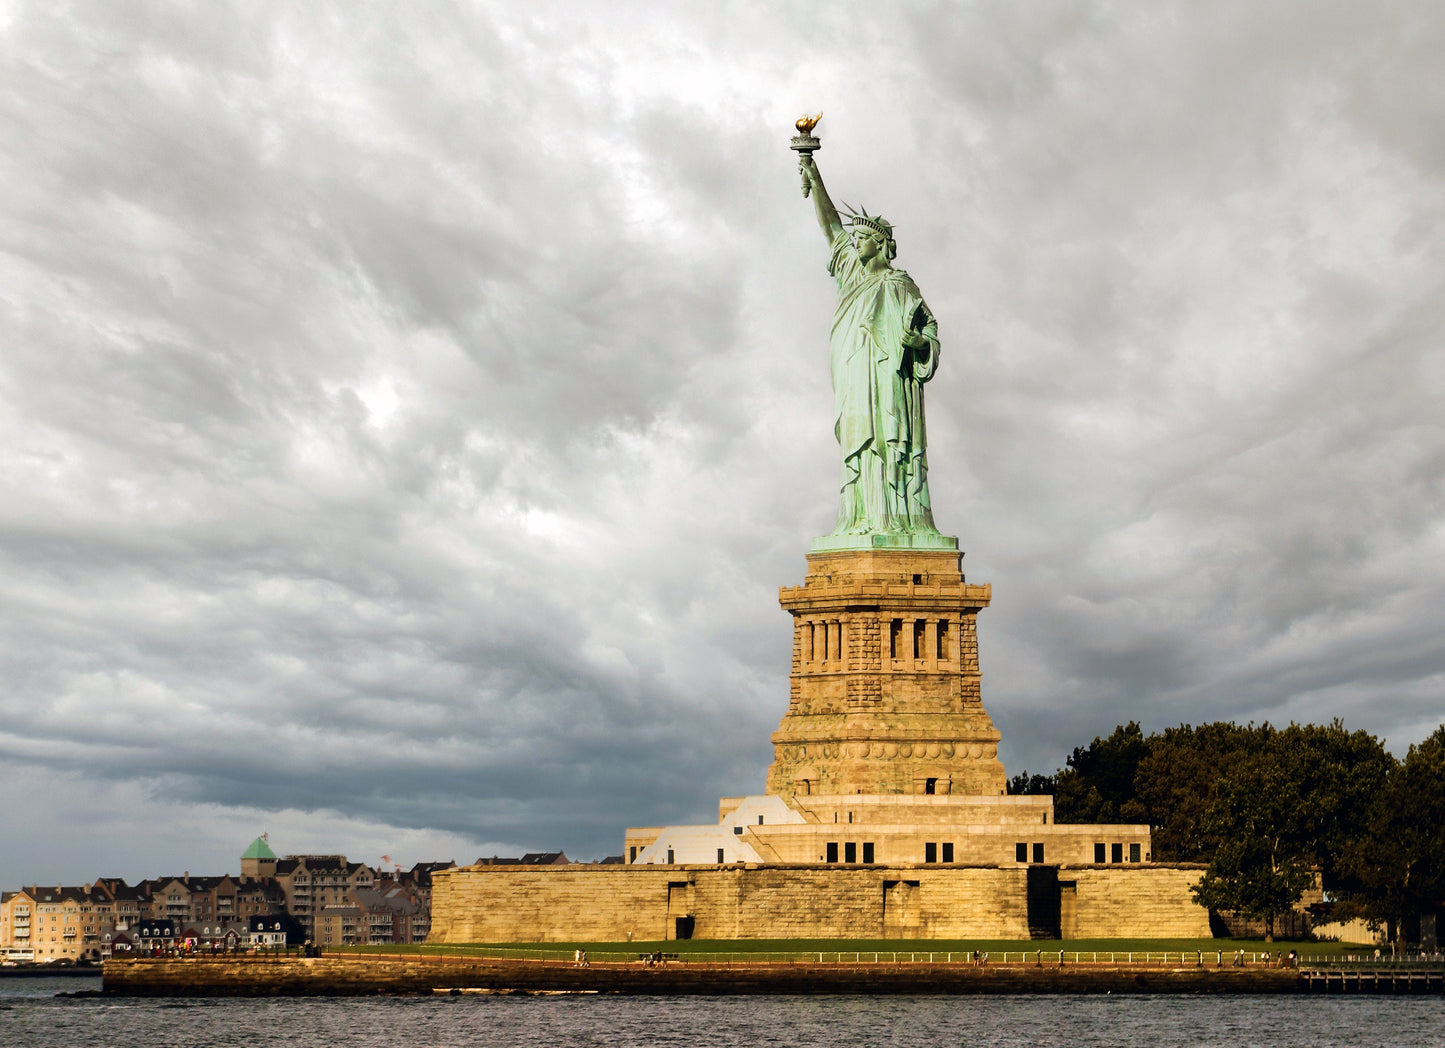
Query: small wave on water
42	1020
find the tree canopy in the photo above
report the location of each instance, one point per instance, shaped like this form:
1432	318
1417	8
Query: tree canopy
1267	807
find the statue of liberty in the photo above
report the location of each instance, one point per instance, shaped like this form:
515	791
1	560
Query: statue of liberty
883	348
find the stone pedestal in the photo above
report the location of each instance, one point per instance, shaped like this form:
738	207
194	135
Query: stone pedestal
886	692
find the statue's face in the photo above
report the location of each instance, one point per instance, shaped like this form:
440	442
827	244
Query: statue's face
869	243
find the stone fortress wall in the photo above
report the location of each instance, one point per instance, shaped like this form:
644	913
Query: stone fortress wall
618	903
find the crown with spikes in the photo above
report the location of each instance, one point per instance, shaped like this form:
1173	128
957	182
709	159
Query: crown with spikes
861	217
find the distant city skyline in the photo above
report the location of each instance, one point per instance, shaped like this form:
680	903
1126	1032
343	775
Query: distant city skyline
408	417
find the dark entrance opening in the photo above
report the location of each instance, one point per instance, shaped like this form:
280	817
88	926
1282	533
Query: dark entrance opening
684	927
1043	902
930	786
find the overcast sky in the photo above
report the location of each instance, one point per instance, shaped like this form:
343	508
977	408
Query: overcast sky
408	415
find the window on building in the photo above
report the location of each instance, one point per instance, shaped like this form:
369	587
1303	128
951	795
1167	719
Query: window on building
1038	851
930	852
719	855
669	856
930	786
867	851
1116	853
1134	853
850	852
1099	852
832	851
1021	852
947	851
738	830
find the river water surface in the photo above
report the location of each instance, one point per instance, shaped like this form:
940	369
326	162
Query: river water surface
31	1016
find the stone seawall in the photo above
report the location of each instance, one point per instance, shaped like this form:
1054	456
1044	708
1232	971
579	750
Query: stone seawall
376	974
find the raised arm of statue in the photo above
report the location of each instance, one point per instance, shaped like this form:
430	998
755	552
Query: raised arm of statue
827	214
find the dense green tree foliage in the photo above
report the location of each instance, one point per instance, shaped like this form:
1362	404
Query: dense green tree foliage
1098	783
1176	782
1396	865
1024	783
1265	808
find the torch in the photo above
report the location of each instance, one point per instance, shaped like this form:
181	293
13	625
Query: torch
806	144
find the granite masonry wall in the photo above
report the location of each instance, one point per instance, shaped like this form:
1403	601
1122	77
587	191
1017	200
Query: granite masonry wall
652	902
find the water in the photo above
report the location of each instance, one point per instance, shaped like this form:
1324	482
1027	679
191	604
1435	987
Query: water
32	1017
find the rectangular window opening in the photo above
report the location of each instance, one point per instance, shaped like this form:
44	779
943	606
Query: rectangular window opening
1021	852
948	851
1116	853
867	851
1099	853
669	856
1133	853
632	857
918	646
850	852
943	640
719	856
1038	851
930	786
895	634
930	852
832	851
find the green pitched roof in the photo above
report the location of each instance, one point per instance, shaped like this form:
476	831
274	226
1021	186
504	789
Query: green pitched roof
259	850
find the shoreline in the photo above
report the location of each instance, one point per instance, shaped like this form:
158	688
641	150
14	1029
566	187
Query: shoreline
396	974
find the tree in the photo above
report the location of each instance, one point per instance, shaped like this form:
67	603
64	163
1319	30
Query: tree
1261	865
1398	864
1098	784
1175	783
1024	783
1340	775
1289	803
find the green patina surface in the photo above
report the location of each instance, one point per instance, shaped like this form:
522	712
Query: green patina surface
882	349
259	849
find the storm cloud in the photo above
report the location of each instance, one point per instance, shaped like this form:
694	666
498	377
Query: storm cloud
408	414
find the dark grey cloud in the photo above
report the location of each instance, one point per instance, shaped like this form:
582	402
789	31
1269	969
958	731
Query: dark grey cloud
408	416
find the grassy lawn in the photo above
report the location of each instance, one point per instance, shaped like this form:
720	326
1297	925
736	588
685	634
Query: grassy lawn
996	948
